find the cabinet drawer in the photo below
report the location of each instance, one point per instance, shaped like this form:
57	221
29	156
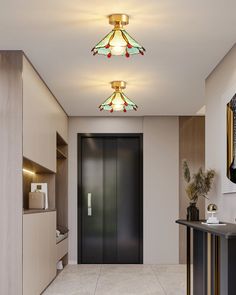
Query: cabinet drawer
62	249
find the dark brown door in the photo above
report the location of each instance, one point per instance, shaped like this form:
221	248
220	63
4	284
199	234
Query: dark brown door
110	199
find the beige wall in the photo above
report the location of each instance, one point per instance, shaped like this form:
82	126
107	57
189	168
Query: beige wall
220	88
160	167
161	190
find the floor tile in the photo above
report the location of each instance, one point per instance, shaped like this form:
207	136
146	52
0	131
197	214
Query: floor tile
125	284
74	280
113	279
172	278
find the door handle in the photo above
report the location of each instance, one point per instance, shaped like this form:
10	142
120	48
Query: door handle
89	204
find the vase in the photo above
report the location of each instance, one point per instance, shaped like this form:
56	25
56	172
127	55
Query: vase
192	212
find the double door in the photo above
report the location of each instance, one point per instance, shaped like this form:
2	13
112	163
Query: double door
110	198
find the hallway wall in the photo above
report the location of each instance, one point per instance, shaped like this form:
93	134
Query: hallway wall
220	88
161	180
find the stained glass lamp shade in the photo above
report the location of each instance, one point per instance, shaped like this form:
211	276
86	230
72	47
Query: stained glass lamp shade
118	101
118	41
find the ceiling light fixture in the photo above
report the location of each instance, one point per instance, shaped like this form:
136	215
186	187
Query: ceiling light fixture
118	101
118	41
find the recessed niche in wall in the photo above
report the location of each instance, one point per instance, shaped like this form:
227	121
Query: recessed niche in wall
33	172
62	182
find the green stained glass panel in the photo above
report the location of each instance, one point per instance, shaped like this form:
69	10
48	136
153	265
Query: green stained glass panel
104	41
131	40
133	50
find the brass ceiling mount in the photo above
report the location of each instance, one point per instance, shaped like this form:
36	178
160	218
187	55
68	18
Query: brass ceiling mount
118	85
118	20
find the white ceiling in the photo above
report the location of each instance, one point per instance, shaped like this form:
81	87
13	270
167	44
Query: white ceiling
184	39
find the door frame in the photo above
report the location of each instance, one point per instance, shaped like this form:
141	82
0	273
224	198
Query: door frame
80	136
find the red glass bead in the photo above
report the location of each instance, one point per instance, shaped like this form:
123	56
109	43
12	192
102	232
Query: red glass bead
109	55
125	110
126	104
127	54
107	46
111	111
129	45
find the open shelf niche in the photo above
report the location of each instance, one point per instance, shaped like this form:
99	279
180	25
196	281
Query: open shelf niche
62	193
34	172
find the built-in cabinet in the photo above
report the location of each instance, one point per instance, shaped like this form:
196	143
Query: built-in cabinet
39	256
42	119
34	137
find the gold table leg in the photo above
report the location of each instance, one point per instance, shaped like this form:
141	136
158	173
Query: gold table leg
188	261
209	264
217	270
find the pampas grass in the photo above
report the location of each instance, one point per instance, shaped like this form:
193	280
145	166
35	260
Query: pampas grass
199	184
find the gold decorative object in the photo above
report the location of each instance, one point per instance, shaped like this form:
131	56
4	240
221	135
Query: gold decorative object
118	41
212	208
118	101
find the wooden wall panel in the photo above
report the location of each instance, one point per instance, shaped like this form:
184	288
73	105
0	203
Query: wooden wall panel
192	148
11	172
62	192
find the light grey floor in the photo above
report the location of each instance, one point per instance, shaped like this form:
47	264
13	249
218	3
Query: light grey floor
119	279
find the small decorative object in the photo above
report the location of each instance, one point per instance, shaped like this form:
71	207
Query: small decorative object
198	185
36	200
41	187
212	209
59	265
118	41
118	101
192	212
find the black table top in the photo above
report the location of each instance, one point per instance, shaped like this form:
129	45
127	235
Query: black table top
228	230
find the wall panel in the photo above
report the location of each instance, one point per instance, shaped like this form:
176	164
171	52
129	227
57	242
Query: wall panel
11	172
191	148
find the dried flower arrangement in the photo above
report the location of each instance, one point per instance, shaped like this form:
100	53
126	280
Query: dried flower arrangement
199	184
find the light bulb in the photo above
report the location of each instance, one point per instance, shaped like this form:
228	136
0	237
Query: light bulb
118	50
118	44
117	107
117	102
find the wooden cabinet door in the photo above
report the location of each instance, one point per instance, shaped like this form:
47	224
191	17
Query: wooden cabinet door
42	118
39	251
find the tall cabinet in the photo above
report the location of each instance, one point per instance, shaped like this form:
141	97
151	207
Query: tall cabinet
33	128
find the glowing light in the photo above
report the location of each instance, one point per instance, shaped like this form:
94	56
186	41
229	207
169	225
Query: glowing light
118	41
28	171
118	101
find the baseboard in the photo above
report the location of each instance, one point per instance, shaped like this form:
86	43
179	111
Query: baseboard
72	262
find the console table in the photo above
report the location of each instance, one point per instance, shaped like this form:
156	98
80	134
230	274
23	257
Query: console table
213	252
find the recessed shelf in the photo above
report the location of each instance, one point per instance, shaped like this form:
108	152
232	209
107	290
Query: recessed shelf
40	175
60	154
34	167
65	236
32	211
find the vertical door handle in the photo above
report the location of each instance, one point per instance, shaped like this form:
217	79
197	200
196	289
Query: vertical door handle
89	204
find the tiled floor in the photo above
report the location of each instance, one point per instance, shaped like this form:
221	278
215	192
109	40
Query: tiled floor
119	279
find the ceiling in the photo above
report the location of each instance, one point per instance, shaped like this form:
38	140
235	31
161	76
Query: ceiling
184	39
